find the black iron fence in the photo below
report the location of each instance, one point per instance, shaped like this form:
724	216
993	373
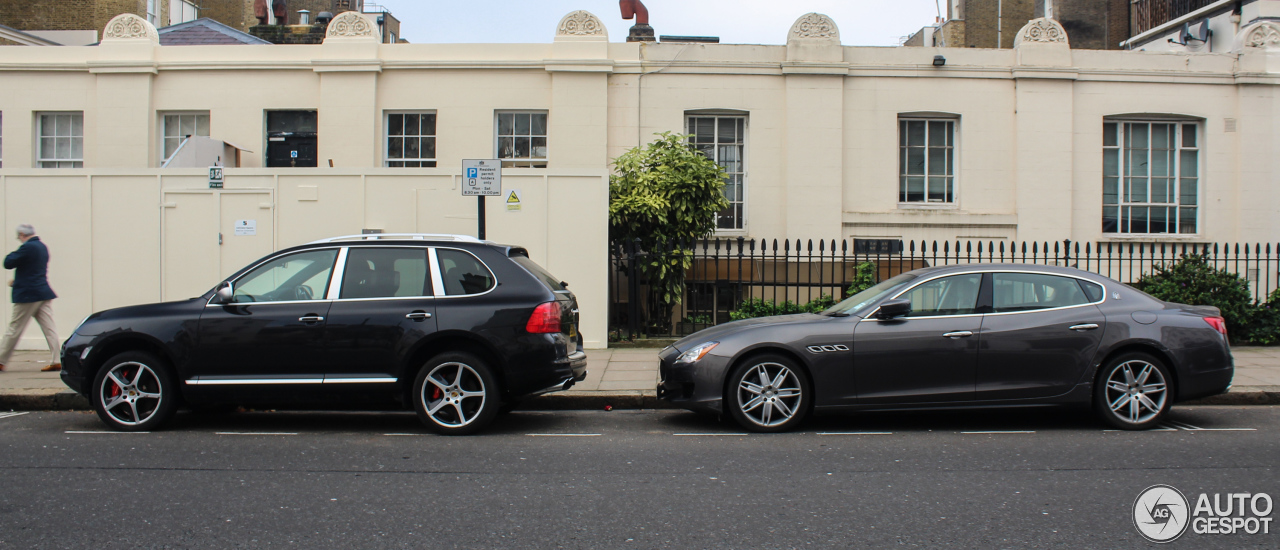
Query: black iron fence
723	274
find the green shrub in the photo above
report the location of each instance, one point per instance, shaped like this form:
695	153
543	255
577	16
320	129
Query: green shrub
1264	328
1191	280
756	307
864	277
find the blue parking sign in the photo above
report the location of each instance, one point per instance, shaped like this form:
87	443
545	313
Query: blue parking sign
473	172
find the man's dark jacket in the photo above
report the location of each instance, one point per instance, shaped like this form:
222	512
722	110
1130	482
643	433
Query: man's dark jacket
30	282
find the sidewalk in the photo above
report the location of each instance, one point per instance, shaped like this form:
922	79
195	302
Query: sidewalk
620	378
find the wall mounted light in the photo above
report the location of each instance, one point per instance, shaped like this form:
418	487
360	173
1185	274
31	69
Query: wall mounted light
939	61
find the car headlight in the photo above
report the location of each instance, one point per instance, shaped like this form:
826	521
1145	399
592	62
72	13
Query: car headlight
697	352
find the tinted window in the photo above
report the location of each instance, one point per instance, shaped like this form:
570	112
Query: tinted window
536	270
1029	291
463	273
955	295
300	276
385	273
1092	290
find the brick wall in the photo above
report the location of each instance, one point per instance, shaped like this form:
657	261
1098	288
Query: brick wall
980	21
1093	24
237	14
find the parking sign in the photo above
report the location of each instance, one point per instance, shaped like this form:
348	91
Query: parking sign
481	177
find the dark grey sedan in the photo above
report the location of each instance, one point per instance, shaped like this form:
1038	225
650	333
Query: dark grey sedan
977	335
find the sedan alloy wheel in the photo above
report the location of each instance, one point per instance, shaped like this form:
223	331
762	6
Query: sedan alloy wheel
769	394
1134	392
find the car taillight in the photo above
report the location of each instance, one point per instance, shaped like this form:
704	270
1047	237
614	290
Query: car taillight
545	319
1218	323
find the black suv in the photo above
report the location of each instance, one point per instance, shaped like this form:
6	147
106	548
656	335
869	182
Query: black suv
455	327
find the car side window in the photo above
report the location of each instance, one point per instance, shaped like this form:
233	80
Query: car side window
954	295
298	276
385	273
1092	290
1032	291
462	273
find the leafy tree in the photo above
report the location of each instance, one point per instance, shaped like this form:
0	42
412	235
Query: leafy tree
663	197
1191	280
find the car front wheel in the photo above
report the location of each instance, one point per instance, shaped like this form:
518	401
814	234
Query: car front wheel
456	394
768	393
1134	392
134	391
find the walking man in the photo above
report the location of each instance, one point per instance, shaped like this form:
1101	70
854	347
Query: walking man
32	296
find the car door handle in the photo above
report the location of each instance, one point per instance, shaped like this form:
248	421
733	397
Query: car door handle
311	319
418	315
1083	327
958	334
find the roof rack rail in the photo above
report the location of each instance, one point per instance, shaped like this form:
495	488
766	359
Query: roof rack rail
401	237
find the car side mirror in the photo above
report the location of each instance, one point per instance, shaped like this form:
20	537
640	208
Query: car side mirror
893	308
224	295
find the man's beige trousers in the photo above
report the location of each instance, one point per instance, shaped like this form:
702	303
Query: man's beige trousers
22	314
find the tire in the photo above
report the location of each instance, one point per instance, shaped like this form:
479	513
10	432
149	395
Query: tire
456	394
1133	392
134	391
768	393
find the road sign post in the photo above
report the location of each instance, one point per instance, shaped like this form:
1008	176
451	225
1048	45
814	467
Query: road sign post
481	178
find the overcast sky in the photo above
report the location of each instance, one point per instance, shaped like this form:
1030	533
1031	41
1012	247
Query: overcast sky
861	22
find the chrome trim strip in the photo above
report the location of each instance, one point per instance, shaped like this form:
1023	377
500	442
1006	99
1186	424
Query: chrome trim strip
197	381
385	298
360	380
443	237
871	316
239	304
335	279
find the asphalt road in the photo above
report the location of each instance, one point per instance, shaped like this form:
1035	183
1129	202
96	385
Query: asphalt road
623	479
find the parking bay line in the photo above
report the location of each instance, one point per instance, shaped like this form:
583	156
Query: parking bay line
698	434
563	435
101	432
855	433
1002	432
255	433
13	414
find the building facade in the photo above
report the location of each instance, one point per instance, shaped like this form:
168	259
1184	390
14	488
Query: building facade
819	141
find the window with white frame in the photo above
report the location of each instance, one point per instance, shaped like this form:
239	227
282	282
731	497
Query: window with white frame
723	138
182	11
1150	176
153	12
926	160
411	140
61	138
180	126
522	139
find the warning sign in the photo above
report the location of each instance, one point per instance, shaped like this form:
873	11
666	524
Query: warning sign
513	200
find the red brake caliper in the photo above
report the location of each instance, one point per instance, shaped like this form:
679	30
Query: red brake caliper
115	388
435	392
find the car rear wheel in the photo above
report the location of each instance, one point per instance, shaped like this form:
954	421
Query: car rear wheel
1134	392
768	393
134	391
456	394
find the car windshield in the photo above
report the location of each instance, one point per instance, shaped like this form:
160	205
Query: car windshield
853	304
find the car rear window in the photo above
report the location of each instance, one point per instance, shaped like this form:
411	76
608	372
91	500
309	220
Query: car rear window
536	270
462	273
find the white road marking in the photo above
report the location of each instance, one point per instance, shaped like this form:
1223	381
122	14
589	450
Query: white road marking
405	434
101	432
1160	429
1188	427
855	433
1002	432
255	433
13	414
695	434
563	435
